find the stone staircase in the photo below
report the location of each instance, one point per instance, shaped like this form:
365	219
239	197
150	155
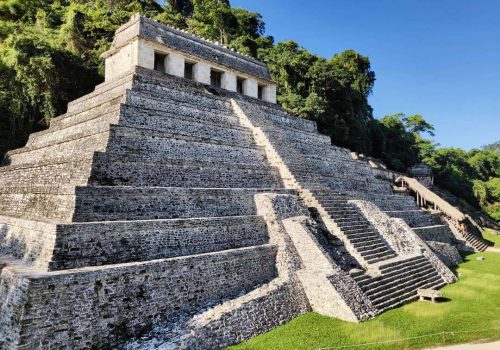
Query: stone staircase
363	237
333	179
398	282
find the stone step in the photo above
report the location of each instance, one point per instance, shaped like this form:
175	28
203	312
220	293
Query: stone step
342	218
353	223
414	218
185	114
402	281
100	124
402	294
103	203
357	229
366	248
83	122
126	300
328	167
226	137
369	257
156	88
403	270
339	214
47	173
290	149
276	117
364	237
109	169
287	135
332	179
378	258
134	141
365	242
112	171
141	203
100	99
387	268
346	207
410	296
196	95
178	89
368	251
148	102
217	133
105	243
124	80
69	150
144	121
131	140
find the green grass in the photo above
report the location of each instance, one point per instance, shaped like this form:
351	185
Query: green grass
492	236
473	303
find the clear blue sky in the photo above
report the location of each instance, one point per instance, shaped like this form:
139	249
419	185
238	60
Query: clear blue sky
438	58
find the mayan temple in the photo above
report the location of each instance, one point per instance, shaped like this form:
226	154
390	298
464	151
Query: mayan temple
179	207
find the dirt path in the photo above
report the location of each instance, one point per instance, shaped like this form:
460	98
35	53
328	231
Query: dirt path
493	250
483	346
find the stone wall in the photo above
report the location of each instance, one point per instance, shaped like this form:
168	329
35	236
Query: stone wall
104	307
446	252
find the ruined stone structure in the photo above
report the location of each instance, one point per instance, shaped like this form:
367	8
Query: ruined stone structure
423	173
178	206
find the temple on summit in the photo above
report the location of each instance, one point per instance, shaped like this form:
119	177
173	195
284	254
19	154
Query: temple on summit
178	206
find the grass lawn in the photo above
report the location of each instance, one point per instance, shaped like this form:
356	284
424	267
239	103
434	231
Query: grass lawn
492	236
472	304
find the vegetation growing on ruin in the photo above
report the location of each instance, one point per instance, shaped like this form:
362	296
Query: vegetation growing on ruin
49	55
468	313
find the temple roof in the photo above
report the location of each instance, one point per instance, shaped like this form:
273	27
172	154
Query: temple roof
151	30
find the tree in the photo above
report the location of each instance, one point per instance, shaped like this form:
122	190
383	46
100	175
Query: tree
417	124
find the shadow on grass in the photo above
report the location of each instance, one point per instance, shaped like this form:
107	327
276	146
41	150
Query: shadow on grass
488	242
443	300
465	258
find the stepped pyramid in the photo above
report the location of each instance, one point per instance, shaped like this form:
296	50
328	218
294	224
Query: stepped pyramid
178	206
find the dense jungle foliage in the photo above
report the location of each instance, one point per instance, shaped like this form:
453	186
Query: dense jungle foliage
49	55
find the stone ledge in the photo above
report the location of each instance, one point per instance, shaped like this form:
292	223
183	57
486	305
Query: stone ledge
103	306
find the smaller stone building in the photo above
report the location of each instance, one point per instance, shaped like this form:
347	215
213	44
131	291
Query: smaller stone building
423	173
149	44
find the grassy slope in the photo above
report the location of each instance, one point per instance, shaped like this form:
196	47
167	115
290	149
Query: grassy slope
473	304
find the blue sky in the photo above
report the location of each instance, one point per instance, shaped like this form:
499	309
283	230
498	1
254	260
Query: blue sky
438	58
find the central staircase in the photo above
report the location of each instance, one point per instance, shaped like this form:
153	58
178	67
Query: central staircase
361	234
333	179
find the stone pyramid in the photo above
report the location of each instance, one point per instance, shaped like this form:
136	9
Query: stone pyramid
177	205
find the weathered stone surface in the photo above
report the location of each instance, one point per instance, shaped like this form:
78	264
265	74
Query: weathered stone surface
446	252
185	216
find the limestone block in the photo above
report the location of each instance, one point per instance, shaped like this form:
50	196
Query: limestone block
250	88
201	73
174	64
229	81
270	93
120	62
145	56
